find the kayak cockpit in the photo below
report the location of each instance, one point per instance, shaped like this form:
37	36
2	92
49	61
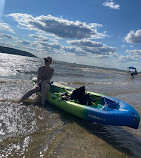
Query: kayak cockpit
89	99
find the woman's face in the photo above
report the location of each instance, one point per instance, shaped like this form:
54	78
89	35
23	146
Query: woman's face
47	62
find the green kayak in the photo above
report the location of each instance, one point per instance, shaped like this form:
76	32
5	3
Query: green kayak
101	109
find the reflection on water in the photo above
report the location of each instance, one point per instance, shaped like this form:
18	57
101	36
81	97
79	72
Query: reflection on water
57	134
16	119
30	130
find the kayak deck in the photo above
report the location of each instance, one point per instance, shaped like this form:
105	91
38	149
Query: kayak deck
98	100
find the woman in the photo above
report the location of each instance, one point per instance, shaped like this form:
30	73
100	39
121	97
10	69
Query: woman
45	74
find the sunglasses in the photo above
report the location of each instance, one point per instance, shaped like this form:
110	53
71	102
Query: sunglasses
46	60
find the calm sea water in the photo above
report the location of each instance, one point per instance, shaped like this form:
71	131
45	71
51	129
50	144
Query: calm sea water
28	130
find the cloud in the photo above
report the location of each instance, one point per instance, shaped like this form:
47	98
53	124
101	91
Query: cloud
75	50
58	26
46	46
24	42
101	50
128	58
85	43
135	52
133	56
93	47
133	37
51	45
5	27
111	4
58	48
123	46
8	36
39	37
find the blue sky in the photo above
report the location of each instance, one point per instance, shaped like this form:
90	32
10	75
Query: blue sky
94	32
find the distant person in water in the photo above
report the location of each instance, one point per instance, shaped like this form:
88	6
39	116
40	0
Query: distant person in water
45	74
132	74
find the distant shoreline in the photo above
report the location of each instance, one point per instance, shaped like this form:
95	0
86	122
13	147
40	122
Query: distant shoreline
8	50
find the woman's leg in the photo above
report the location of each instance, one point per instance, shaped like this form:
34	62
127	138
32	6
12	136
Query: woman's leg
44	89
29	93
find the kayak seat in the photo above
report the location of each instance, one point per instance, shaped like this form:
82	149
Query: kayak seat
80	96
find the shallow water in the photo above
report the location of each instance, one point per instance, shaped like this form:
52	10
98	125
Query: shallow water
29	130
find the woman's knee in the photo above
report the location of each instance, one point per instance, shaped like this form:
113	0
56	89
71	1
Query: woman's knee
45	87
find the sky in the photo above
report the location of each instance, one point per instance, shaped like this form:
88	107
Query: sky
105	33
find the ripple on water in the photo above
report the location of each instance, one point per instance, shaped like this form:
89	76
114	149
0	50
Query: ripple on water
16	119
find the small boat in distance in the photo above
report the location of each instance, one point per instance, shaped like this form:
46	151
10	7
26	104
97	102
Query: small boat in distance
132	71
